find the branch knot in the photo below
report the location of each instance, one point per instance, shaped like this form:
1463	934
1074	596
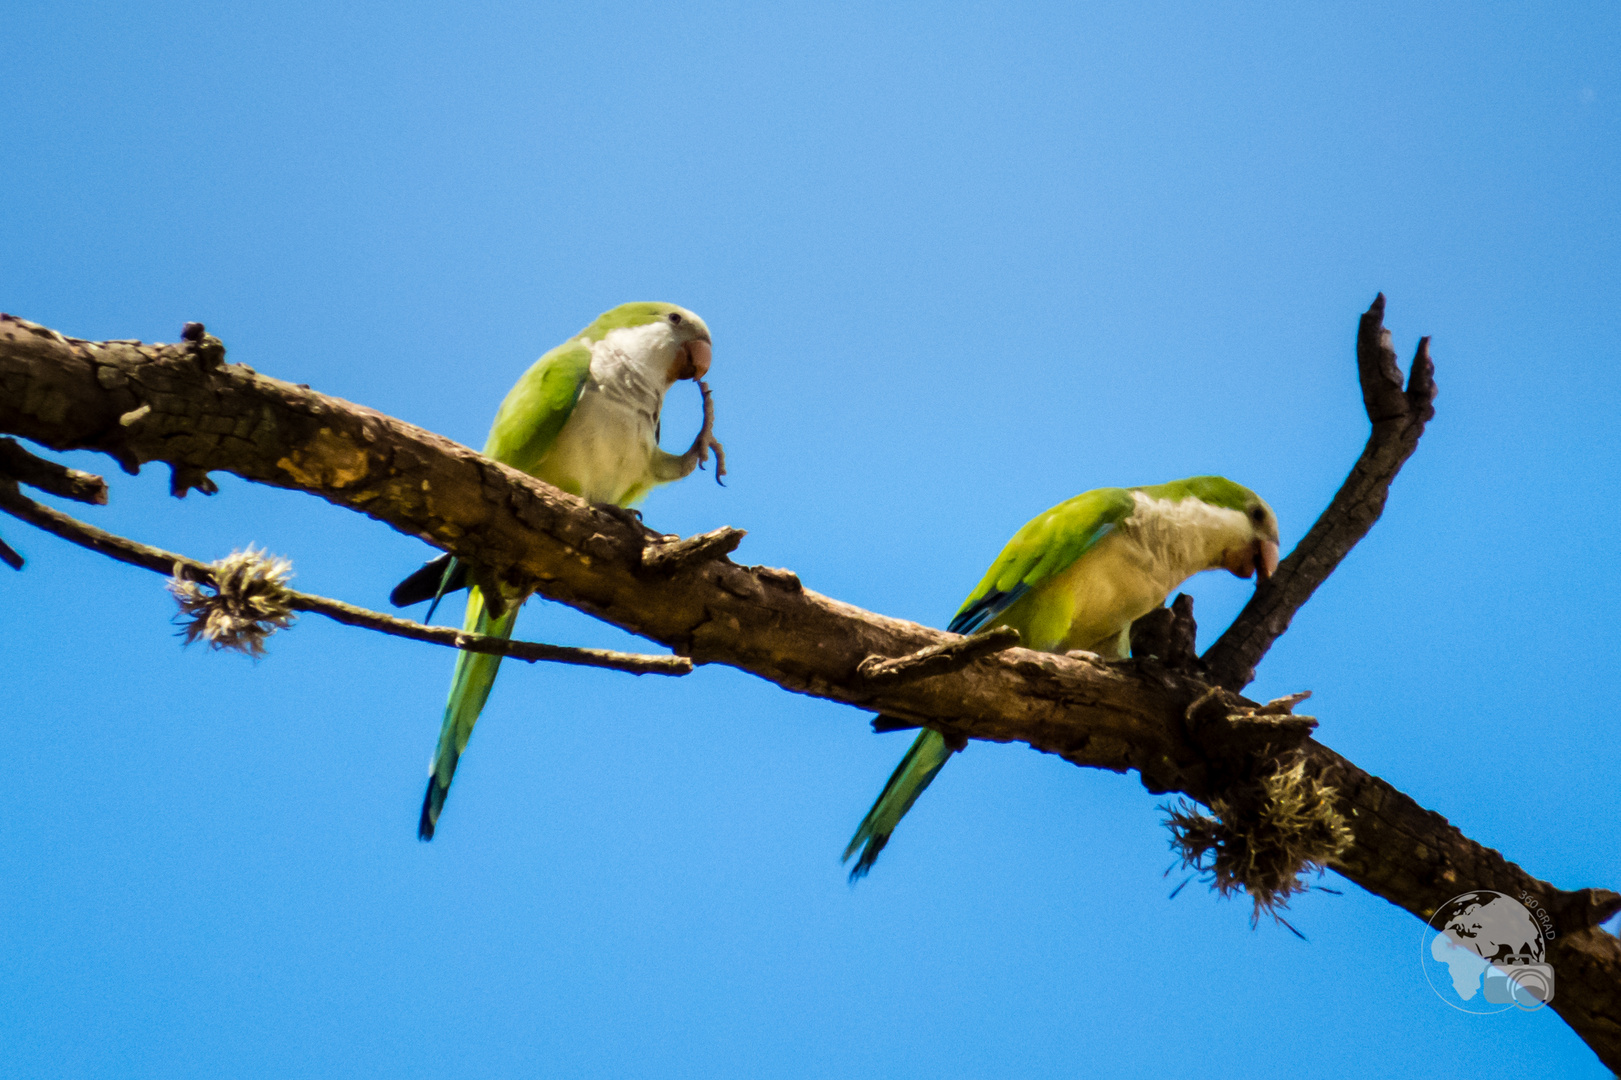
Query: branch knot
208	349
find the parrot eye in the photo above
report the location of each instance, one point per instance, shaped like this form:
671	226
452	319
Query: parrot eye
675	318
1258	515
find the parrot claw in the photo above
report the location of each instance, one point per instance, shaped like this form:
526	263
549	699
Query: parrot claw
630	517
698	453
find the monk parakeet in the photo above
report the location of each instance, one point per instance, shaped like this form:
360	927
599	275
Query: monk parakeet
1077	577
584	418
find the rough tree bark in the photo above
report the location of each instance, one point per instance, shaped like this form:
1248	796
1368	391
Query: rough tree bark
184	406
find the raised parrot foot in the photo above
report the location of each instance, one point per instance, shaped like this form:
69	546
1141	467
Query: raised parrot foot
706	441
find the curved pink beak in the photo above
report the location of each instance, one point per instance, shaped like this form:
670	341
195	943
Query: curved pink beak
1266	559
698	356
1260	559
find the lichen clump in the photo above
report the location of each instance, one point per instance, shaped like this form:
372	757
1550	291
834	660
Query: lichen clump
249	602
1263	838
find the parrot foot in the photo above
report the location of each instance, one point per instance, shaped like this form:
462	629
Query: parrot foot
698	453
495	600
630	517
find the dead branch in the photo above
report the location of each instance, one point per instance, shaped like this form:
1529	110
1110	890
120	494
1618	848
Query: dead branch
167	562
36	472
1398	418
182	405
937	659
677	554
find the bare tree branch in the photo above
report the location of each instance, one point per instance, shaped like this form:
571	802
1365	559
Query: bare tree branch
36	472
167	562
676	555
1398	418
181	404
937	659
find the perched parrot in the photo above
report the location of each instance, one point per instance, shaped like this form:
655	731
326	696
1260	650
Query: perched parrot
1077	577
584	418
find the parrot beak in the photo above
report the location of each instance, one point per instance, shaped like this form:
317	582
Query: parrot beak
696	360
1266	560
1260	559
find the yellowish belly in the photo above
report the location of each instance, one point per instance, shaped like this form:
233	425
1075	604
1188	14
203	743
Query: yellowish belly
1092	603
601	454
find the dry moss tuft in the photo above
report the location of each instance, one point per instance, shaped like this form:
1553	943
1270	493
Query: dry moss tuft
250	601
1262	838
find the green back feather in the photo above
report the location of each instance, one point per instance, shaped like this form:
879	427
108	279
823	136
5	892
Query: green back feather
1044	547
1051	542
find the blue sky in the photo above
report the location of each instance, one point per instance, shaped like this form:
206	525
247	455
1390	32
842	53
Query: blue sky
961	262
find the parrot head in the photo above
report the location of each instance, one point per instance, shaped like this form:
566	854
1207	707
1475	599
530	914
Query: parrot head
668	340
1239	530
1257	550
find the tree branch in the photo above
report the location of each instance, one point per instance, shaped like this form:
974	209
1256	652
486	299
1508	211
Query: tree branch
1398	418
19	464
128	551
36	472
181	404
677	555
937	659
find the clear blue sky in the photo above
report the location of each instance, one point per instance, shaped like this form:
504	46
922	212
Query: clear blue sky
961	262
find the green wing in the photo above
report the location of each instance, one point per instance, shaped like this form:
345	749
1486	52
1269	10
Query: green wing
526	425
1044	547
538	405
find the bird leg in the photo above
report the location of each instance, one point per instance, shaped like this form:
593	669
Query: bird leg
698	452
668	467
494	602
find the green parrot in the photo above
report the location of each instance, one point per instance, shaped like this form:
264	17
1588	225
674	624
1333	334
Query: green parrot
584	418
1077	577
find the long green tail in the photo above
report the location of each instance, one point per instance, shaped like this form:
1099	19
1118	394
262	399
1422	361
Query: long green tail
916	771
475	674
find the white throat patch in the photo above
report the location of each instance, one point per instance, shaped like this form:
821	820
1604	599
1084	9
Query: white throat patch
643	353
1188	536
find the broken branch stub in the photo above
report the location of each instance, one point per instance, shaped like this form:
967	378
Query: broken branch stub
1398	418
937	659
